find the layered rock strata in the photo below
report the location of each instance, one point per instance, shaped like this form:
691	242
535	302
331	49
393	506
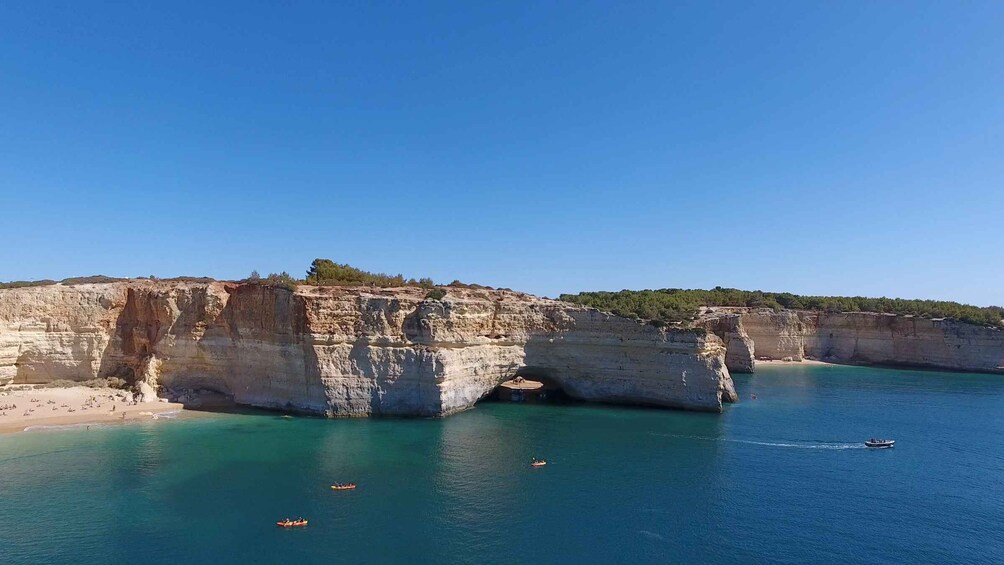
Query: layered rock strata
343	351
740	355
863	338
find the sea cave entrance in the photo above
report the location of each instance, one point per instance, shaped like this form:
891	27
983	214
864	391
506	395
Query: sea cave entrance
530	385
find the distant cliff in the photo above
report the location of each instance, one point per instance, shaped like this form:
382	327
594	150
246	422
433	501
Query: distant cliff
859	338
350	351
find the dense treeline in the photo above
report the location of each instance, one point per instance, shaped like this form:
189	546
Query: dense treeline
674	305
327	272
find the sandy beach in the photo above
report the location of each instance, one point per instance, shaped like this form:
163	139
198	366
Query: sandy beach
22	407
780	362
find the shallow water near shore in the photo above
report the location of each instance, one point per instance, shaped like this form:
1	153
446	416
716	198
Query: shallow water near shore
783	478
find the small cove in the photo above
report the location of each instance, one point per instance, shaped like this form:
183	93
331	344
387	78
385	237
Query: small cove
782	478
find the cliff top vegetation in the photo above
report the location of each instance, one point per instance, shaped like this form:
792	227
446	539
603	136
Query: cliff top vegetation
94	279
322	272
327	272
674	305
22	284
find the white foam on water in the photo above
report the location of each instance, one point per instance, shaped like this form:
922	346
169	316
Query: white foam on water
791	444
171	415
67	427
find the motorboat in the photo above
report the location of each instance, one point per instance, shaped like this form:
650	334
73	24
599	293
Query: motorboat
880	443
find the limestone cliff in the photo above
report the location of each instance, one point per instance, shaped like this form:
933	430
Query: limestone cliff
345	351
863	338
740	355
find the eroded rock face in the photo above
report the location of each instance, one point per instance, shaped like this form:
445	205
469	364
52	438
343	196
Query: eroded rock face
863	338
740	349
776	335
55	332
350	351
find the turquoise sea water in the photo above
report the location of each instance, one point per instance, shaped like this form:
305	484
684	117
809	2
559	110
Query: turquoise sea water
782	479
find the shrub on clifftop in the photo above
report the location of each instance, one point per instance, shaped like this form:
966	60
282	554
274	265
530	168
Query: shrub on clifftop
436	294
281	280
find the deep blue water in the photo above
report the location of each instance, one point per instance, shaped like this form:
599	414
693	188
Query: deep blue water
782	479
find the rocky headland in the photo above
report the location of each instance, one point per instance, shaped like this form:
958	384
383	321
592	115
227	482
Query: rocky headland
349	351
855	338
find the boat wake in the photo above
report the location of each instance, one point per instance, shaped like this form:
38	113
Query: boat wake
794	444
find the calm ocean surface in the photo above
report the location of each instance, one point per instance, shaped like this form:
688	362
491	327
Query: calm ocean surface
782	479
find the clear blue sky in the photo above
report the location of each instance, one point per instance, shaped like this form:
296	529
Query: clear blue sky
814	147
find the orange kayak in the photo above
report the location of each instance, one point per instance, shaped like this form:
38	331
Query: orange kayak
347	486
291	523
538	463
